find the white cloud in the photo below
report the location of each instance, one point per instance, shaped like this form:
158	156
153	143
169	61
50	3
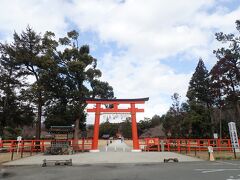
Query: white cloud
145	31
41	15
151	31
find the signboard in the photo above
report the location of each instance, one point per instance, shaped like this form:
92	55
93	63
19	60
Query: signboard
19	138
152	141
233	136
61	136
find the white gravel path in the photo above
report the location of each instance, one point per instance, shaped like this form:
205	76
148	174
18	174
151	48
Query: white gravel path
105	157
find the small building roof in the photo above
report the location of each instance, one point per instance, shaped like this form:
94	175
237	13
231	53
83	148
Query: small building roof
61	129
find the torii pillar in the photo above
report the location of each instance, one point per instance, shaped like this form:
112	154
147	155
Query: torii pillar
98	109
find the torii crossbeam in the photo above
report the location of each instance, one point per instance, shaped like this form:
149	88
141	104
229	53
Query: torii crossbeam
100	108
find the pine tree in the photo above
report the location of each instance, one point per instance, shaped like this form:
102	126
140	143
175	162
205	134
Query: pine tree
226	73
200	102
64	74
76	79
14	111
198	90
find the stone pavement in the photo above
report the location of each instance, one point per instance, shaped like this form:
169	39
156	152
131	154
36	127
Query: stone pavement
205	170
104	157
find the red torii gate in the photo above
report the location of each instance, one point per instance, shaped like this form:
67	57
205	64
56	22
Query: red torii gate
98	109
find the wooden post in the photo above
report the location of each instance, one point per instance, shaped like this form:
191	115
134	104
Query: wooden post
198	144
169	143
178	145
42	146
229	145
12	150
31	150
22	148
12	145
189	145
234	152
186	146
83	139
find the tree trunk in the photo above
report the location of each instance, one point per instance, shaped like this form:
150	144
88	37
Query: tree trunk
39	118
76	132
210	109
238	111
1	130
220	123
212	123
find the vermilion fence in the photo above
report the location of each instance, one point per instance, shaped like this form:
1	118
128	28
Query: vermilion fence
177	145
187	145
42	145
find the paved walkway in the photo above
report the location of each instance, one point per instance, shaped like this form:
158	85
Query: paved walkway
228	170
105	157
116	146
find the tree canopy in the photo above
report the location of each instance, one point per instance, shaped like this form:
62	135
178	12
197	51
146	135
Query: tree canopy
50	77
213	98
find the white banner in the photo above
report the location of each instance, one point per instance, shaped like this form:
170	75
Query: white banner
19	139
233	136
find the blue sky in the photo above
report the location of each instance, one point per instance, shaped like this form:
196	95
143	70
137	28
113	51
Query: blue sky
144	48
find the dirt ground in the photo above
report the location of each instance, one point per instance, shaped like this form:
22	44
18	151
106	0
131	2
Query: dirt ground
218	155
5	157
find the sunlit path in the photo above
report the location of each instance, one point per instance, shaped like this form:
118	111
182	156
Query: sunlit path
116	145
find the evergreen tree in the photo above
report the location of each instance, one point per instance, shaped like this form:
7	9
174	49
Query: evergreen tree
200	101
64	74
198	120
173	119
77	78
14	111
198	90
108	128
33	53
226	73
126	128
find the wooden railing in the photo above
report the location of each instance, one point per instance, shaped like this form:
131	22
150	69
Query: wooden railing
175	145
41	145
178	145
